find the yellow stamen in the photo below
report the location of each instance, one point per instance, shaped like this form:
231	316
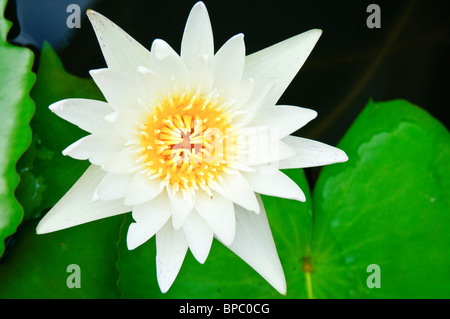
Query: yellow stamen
178	145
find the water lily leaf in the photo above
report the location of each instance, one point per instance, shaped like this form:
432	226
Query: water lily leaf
43	266
16	107
36	266
224	275
388	206
47	175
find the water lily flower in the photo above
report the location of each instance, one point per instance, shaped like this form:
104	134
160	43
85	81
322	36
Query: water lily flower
188	143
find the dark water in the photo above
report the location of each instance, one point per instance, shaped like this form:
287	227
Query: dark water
408	57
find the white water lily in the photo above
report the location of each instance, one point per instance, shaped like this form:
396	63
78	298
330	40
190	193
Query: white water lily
188	142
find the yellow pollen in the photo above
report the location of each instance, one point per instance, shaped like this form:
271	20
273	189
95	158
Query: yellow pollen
186	140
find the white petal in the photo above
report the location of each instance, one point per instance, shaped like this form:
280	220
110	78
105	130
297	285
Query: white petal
200	75
311	153
97	147
119	89
86	114
150	86
113	186
237	94
218	213
254	244
122	53
150	217
123	162
287	119
229	61
281	62
198	236
168	64
275	184
171	247
181	208
76	206
237	190
262	145
261	92
127	123
197	37
142	189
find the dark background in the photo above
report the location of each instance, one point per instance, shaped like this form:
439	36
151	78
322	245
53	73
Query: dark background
408	57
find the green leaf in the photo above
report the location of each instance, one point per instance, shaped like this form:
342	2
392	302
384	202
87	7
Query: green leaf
224	275
16	107
47	175
389	206
37	267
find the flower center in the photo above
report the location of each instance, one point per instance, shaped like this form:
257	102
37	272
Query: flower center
188	141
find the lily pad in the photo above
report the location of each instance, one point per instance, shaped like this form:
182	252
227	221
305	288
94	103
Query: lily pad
47	175
37	264
388	206
41	266
16	80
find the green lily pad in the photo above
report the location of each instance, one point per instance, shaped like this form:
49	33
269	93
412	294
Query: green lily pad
43	266
16	80
47	175
388	206
37	264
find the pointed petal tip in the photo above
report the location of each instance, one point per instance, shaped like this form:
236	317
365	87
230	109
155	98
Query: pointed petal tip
300	197
92	14
131	241
316	32
95	71
161	49
164	288
344	157
278	282
199	6
68	149
313	35
56	107
282	289
227	241
340	155
131	247
46	226
40	229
